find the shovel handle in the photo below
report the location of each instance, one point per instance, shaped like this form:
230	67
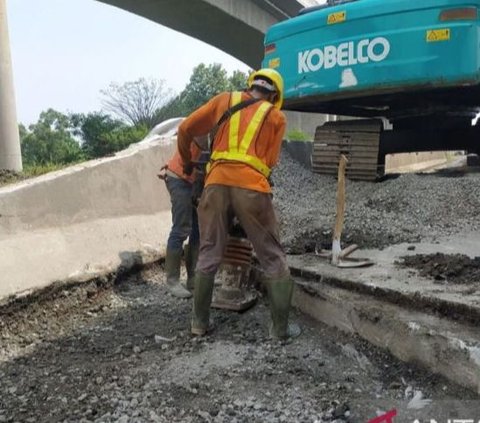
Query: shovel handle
339	218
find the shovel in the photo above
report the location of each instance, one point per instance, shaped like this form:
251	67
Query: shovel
339	257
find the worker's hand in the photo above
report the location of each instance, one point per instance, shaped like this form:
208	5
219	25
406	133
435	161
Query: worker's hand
188	168
163	173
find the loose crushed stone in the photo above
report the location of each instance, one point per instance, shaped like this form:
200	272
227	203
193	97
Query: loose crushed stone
123	354
445	268
407	208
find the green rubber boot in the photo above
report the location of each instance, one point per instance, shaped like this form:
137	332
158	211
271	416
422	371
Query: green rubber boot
280	295
173	261
202	298
191	257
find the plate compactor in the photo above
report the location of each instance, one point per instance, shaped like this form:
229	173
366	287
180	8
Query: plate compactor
234	285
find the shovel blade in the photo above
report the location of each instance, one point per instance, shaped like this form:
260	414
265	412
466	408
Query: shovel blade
351	263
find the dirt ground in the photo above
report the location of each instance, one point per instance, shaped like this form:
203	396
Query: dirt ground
9	176
445	268
122	353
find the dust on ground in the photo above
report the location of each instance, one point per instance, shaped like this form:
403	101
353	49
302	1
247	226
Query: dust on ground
445	268
122	353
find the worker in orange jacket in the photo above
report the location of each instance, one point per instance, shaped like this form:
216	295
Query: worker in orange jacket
182	189
246	146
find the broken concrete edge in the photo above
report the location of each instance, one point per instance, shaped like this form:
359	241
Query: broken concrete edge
412	301
136	261
103	279
447	348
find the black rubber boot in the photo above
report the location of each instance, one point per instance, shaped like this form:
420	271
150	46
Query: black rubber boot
280	296
173	261
202	298
191	257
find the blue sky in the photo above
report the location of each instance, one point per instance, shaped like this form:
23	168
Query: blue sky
65	51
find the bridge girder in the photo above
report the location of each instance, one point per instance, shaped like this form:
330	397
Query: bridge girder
236	27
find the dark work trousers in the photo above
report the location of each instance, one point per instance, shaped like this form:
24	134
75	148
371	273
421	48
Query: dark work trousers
254	210
184	214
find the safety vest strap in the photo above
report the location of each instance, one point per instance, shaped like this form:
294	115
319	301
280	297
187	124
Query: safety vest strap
252	161
237	150
253	126
234	122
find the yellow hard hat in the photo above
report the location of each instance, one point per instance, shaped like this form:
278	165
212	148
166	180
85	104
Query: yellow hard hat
273	76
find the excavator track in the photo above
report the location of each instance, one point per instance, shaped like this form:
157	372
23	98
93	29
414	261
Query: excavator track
358	140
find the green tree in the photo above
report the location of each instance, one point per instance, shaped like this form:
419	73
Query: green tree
50	140
136	102
123	136
103	135
205	82
238	81
174	108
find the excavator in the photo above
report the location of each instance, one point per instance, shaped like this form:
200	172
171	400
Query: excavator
406	72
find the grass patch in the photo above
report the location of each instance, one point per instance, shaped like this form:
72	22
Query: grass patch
298	135
29	171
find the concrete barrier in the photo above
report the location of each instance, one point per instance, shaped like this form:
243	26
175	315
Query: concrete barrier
414	162
86	220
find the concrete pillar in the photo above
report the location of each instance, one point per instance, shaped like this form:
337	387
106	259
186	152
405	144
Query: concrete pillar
10	153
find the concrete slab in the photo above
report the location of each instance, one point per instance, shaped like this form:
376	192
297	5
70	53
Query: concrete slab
414	318
388	281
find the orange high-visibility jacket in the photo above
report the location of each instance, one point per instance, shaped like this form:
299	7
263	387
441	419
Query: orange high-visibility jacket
175	164
256	130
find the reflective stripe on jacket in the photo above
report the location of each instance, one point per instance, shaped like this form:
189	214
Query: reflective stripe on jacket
244	127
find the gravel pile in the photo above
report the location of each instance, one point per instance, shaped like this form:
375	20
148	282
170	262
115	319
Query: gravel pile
408	208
